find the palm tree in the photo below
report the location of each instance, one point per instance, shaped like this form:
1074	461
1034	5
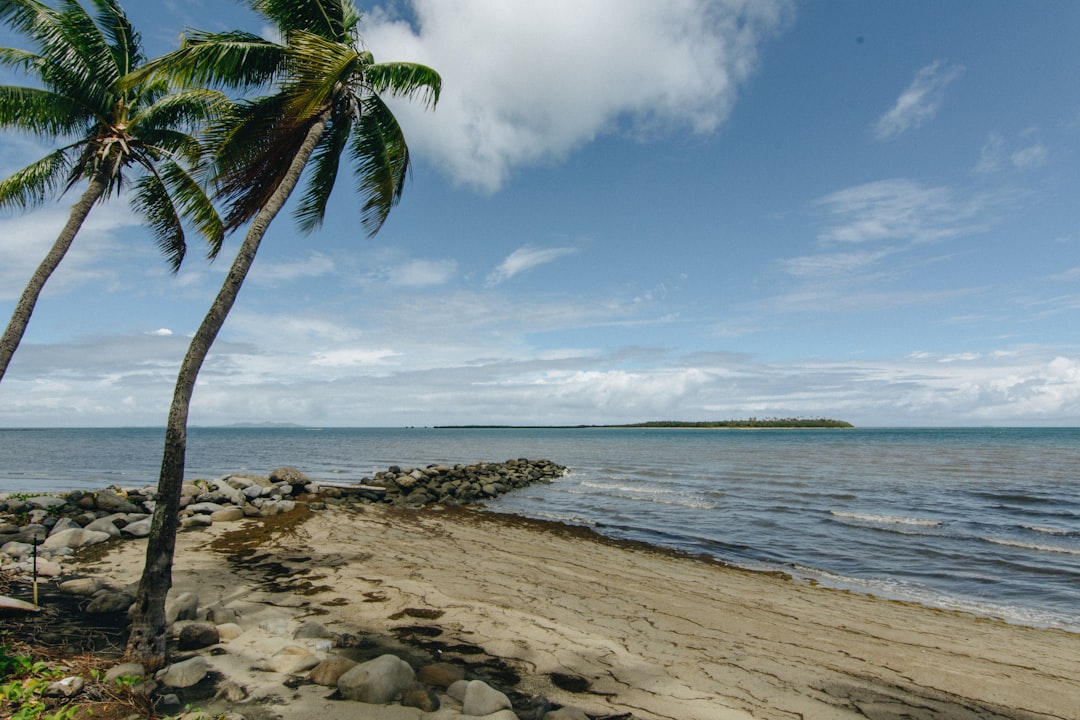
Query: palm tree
326	100
114	129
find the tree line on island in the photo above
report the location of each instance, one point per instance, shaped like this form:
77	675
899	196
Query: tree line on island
229	118
703	424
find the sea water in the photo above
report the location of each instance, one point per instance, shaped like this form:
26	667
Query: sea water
984	520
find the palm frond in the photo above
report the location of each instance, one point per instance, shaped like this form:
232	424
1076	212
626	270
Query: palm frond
323	166
319	70
252	146
331	19
151	201
185	109
194	204
405	80
122	38
24	16
41	112
381	162
35	183
20	59
85	54
236	60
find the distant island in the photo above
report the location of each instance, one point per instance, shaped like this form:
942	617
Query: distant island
704	425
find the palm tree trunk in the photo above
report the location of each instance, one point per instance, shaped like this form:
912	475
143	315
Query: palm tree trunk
148	628
20	318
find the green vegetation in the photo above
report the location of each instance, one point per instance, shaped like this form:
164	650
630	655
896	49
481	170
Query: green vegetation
22	688
705	424
749	423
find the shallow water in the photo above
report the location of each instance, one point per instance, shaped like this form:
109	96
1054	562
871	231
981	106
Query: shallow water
981	519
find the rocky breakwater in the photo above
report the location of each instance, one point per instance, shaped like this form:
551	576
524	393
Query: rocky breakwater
41	531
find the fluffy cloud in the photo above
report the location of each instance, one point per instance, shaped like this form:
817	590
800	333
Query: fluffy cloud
919	102
528	82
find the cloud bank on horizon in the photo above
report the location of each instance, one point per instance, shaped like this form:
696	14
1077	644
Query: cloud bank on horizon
626	211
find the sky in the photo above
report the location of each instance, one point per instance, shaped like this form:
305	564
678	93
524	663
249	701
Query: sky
621	211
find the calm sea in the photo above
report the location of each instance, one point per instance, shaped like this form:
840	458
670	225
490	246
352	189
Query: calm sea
985	520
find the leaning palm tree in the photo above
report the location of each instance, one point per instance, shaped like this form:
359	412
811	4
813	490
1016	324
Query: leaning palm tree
326	101
114	130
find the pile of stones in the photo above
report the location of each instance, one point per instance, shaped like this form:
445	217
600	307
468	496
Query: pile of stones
55	526
40	532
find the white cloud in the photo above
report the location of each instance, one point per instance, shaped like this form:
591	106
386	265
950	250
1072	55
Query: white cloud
919	102
528	82
424	273
995	156
315	265
346	357
901	210
523	259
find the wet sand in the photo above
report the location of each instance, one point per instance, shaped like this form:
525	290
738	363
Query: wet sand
642	631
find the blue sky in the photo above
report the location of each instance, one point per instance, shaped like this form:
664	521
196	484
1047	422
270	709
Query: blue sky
625	210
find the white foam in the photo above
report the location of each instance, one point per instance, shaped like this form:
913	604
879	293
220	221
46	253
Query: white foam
886	519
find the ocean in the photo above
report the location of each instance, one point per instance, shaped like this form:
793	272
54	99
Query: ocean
981	520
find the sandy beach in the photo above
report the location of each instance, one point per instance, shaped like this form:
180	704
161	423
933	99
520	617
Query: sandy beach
639	631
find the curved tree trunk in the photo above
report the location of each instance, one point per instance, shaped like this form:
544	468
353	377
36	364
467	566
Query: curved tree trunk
20	318
148	628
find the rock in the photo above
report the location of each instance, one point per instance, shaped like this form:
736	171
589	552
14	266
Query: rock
289	660
289	475
330	670
139	528
222	615
111	501
45	568
31	533
228	514
46	501
109	601
420	696
127	669
440	674
184	606
184	674
104	525
376	681
567	713
66	688
231	691
64	524
75	538
80	586
205	508
229	631
457	690
17	550
482	699
312	630
195	521
198	635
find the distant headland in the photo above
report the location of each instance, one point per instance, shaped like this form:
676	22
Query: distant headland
749	423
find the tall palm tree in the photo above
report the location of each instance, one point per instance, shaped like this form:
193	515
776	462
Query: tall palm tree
113	130
326	100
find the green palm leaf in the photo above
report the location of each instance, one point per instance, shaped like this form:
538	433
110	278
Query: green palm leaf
35	183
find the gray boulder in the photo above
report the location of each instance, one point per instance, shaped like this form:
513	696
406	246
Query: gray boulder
198	635
184	606
184	674
139	528
482	699
377	681
75	538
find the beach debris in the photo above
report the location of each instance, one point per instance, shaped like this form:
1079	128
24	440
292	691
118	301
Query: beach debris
10	603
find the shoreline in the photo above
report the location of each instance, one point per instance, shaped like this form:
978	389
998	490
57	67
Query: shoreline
652	632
